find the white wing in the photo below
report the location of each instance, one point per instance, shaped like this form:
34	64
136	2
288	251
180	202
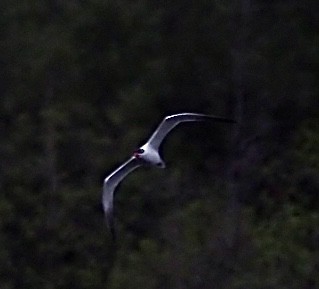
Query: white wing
169	122
110	183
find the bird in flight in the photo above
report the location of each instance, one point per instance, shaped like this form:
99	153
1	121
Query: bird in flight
147	155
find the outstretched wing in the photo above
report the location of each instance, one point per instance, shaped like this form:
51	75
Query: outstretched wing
110	183
169	122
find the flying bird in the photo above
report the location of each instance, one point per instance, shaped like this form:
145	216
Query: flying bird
147	155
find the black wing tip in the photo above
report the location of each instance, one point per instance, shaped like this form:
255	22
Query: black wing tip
110	224
219	119
113	234
228	120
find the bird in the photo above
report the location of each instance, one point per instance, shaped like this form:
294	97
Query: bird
147	155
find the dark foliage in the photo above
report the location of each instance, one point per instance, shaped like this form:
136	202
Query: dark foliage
83	83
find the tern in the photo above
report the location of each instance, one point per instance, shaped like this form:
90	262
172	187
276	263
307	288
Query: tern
147	155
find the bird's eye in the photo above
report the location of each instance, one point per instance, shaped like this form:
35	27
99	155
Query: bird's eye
138	151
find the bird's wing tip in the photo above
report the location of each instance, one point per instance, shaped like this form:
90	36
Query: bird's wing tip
232	121
113	233
110	224
222	119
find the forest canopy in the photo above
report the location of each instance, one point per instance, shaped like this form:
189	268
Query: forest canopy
84	83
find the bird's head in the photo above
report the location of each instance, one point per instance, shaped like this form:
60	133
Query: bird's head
138	153
149	157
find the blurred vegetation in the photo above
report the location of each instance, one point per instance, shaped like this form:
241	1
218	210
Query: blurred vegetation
83	83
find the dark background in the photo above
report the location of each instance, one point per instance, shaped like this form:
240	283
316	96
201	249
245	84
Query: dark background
83	83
